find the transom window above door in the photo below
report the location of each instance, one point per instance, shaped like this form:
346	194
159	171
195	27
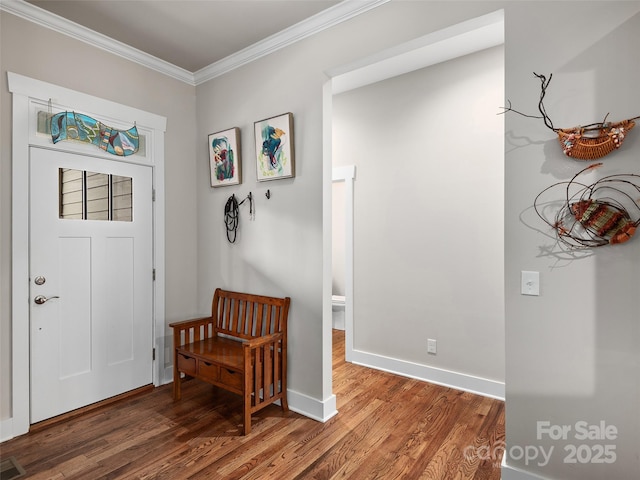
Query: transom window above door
95	196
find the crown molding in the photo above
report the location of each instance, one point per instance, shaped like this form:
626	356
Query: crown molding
340	12
59	24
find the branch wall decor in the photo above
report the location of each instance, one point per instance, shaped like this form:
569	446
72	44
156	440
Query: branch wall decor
605	212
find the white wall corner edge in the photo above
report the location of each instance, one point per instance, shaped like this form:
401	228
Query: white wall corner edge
320	410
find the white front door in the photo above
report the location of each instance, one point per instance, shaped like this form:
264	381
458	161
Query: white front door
91	284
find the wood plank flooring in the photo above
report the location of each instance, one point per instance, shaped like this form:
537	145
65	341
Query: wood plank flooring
388	427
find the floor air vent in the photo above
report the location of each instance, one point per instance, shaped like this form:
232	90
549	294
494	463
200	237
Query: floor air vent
10	469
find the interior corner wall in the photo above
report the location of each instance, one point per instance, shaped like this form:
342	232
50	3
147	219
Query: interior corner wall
281	251
42	54
573	362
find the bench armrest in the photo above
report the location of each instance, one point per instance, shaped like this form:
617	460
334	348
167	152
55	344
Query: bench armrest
258	342
192	330
193	322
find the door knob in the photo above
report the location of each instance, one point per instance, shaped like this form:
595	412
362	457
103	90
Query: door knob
40	299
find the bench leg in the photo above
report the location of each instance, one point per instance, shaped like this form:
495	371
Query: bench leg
246	426
246	408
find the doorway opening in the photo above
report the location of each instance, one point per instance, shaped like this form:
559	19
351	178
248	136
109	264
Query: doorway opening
457	41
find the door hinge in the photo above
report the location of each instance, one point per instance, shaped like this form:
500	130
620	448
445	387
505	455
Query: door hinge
153	194
153	274
153	355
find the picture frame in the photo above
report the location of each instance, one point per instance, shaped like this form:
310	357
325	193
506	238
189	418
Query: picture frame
225	159
274	147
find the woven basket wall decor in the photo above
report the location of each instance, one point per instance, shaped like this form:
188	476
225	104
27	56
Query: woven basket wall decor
595	142
587	142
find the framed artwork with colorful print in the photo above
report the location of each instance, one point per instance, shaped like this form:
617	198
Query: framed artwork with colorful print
224	157
274	147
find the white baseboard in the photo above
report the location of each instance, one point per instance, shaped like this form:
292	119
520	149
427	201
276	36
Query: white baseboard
459	381
312	407
6	429
514	473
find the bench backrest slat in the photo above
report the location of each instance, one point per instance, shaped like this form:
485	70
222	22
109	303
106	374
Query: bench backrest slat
248	316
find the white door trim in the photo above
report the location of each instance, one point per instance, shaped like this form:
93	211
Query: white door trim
26	92
347	175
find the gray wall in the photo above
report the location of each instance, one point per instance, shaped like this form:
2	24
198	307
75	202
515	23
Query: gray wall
571	353
429	241
280	252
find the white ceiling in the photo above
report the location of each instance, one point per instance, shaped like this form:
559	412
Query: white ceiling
190	34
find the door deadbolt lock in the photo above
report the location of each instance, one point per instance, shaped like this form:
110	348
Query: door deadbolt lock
39	280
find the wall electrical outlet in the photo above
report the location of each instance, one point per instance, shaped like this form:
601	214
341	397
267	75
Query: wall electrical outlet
432	346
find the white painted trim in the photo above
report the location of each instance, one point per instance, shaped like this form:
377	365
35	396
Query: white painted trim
341	174
452	42
26	86
446	378
514	473
327	229
20	264
340	12
160	324
347	174
311	407
24	91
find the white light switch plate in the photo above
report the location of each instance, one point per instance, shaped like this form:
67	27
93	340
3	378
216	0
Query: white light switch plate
530	283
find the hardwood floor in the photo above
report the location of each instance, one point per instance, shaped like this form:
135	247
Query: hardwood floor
387	427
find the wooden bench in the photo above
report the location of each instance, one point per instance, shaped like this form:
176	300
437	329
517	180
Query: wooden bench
241	347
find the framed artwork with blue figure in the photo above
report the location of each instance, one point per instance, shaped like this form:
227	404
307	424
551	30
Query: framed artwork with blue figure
224	157
274	147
